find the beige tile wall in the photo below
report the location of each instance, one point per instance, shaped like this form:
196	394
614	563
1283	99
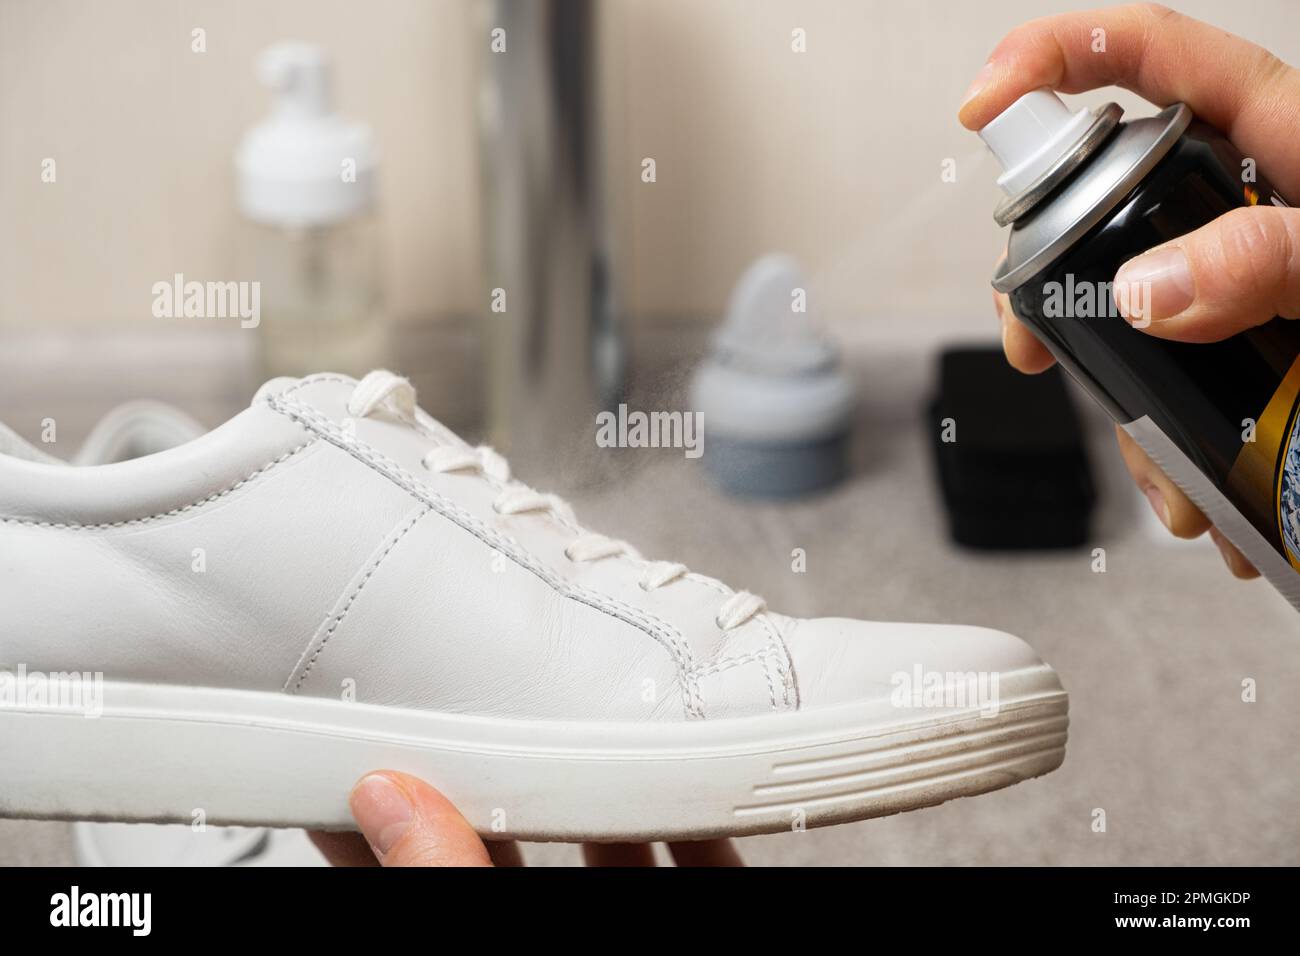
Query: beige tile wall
832	155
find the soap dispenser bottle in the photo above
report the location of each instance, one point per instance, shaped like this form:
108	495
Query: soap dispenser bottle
306	182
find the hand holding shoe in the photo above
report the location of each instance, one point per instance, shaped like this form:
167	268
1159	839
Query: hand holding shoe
406	822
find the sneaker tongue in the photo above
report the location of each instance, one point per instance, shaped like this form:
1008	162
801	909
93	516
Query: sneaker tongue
274	387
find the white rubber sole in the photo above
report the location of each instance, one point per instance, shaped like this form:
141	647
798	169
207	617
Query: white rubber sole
159	754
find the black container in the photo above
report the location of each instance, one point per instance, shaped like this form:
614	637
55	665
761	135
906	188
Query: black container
1218	418
1013	471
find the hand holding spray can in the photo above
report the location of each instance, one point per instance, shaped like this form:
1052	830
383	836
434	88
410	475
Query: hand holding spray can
1086	193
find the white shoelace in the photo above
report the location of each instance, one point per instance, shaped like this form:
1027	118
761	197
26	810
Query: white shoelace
381	388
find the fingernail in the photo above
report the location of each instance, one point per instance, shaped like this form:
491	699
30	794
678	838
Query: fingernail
1154	286
382	812
1159	506
981	80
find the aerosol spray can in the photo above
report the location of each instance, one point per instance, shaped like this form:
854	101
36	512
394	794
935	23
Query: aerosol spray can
1087	192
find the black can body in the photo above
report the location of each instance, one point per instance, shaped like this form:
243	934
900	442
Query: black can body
1228	406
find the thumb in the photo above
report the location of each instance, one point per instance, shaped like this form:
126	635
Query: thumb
408	823
1232	274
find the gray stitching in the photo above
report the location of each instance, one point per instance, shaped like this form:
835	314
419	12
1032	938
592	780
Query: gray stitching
663	634
776	644
762	657
338	618
315	379
74	526
771	684
791	688
719	665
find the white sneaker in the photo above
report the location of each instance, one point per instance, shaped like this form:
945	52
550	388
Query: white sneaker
333	583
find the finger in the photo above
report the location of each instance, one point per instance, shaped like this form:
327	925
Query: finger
706	853
505	853
1022	348
1236	561
1234	85
408	823
1174	509
618	854
1232	274
343	849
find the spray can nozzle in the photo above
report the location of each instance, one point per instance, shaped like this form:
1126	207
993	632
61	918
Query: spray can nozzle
1030	135
1038	142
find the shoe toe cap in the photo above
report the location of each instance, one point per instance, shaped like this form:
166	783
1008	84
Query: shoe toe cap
839	661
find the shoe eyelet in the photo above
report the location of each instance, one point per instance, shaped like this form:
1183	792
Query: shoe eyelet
567	554
497	508
643	587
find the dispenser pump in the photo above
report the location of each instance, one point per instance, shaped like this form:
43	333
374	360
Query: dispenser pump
304	165
1032	135
299	75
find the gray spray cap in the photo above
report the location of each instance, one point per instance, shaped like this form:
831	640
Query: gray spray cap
1079	174
777	407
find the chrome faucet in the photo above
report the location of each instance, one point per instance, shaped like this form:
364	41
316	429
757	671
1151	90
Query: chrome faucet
555	348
